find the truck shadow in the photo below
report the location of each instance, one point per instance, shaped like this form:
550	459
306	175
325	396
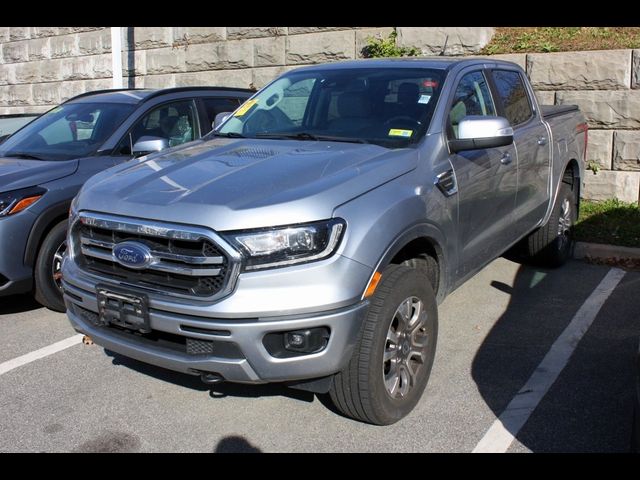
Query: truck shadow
577	413
18	304
221	390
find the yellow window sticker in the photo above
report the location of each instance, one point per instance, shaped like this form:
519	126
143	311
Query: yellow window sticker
397	132
245	107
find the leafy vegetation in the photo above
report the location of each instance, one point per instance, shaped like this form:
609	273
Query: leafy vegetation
561	39
387	47
611	221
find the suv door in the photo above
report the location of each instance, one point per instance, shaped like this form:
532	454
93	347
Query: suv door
176	121
486	181
530	137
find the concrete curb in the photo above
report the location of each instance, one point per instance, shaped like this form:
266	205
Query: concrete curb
599	250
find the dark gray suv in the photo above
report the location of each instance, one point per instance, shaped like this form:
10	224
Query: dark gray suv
44	164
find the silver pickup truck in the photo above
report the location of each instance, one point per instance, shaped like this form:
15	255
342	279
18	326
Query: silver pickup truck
310	237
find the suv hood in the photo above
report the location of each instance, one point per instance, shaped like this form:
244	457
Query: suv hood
245	183
17	173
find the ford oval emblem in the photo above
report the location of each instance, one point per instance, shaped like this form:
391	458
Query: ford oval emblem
132	254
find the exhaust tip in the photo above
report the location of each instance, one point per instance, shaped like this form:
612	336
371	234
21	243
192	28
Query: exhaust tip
211	378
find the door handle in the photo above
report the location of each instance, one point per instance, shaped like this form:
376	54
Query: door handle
506	159
542	140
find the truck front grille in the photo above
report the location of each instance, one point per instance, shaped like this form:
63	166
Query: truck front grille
187	261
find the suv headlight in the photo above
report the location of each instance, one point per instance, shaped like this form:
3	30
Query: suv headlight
18	200
284	246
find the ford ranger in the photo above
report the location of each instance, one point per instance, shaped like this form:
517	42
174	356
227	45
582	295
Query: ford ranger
310	237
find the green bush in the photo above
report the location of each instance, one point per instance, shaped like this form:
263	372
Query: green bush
387	47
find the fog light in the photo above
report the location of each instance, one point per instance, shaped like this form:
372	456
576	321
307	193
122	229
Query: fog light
311	340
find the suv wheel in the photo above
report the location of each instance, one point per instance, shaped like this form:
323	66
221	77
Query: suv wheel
48	275
392	361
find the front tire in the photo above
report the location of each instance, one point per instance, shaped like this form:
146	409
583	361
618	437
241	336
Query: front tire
392	361
48	289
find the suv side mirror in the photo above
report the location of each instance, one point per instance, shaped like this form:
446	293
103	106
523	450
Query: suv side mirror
220	118
148	144
476	131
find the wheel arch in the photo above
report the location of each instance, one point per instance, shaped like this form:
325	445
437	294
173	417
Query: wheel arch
48	219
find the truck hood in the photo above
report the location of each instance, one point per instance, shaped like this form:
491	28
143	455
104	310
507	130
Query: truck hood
231	184
17	173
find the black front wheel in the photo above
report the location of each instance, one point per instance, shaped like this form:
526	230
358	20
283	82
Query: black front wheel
48	269
392	361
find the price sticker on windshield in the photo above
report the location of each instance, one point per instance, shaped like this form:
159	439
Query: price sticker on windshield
245	107
397	132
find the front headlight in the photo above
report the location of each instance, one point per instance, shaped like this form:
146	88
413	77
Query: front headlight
284	246
18	200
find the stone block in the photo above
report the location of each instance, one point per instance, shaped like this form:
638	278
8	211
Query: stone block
236	33
203	57
19	33
15	52
240	78
186	36
545	97
600	147
28	72
299	30
18	95
39	48
46	93
95	42
264	75
626	150
609	184
605	109
159	81
64	46
165	60
593	70
51	70
4	34
320	47
450	40
269	51
152	37
40	32
134	62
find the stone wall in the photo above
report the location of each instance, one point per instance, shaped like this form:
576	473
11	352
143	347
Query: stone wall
42	66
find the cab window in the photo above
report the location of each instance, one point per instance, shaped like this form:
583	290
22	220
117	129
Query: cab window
472	97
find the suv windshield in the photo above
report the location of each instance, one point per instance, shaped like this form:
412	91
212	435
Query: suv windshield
69	131
391	107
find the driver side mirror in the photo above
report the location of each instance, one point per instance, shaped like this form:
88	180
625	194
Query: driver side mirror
149	144
220	118
476	132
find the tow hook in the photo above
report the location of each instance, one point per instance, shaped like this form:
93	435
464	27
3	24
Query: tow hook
211	378
87	340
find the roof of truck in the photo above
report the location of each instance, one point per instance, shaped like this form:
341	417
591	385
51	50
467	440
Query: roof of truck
439	62
139	95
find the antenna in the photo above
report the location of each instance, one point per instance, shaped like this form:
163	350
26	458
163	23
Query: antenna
444	47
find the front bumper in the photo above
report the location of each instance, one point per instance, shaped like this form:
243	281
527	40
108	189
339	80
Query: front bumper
251	362
15	276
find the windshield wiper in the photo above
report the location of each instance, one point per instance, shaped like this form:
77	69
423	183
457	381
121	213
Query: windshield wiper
228	135
26	156
310	136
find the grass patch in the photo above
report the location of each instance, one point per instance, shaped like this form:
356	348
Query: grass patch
612	221
561	39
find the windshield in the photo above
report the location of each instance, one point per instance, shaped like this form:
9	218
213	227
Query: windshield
69	131
391	107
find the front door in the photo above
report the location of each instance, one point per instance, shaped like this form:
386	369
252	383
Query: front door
486	182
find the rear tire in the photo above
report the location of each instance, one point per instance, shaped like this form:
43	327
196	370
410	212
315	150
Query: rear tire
47	274
552	244
392	361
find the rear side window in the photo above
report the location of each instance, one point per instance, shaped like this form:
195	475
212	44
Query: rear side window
513	95
216	105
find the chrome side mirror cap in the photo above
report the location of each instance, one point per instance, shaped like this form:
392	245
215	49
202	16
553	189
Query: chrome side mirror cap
149	144
477	132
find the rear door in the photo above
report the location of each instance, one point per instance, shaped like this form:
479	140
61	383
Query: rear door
530	137
486	180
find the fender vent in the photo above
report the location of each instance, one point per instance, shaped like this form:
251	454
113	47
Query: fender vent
446	182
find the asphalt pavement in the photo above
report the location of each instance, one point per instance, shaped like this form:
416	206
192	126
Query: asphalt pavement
494	332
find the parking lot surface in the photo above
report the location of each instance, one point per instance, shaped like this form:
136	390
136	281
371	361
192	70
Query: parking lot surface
494	333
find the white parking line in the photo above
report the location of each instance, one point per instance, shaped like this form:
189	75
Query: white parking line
503	431
41	353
